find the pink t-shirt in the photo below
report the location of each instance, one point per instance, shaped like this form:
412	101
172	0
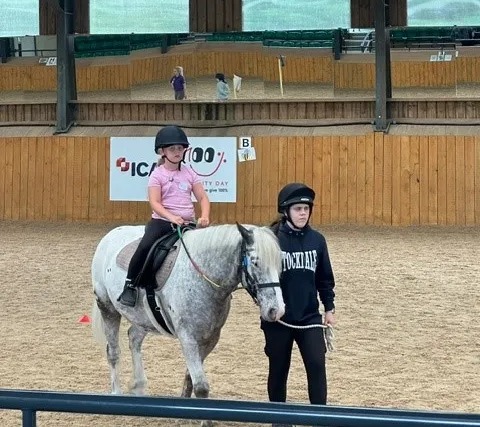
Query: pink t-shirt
176	187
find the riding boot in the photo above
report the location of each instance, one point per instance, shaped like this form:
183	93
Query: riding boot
129	295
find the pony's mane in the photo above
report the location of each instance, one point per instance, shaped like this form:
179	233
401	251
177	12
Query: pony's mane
227	237
267	247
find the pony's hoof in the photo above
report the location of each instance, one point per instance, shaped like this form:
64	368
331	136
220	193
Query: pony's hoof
138	392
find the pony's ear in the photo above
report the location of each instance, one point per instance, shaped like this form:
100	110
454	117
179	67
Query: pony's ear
247	235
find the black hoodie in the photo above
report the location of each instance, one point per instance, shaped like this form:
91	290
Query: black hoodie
306	271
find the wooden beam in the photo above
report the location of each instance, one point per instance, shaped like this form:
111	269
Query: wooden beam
48	16
362	13
215	16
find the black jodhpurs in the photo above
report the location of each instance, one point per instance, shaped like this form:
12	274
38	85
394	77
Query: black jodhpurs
278	348
155	229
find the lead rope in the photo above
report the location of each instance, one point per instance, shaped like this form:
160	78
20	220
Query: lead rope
328	334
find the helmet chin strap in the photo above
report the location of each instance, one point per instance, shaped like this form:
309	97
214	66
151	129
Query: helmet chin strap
174	163
289	218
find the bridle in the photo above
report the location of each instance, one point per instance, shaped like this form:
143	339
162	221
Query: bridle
247	282
250	286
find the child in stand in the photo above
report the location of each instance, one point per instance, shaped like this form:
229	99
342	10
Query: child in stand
170	189
223	91
178	84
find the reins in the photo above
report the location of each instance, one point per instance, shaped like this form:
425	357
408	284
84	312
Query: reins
243	266
195	265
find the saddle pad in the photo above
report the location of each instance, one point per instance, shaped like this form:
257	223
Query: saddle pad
162	275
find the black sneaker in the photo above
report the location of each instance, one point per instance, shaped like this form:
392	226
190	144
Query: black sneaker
129	295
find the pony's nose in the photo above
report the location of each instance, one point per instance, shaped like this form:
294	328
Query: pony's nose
272	314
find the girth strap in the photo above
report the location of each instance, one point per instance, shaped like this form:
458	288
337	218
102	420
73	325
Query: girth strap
152	303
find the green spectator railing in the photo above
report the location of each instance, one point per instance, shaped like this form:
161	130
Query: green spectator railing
122	44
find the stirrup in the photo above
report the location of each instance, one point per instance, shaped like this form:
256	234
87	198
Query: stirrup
129	294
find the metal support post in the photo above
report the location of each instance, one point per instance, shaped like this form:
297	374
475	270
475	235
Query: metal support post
383	78
66	84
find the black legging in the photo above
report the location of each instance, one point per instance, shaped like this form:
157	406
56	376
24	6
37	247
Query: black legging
278	347
155	229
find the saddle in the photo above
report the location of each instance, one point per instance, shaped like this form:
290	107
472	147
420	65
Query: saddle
156	268
159	262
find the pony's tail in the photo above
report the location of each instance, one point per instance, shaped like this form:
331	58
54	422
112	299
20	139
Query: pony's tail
98	329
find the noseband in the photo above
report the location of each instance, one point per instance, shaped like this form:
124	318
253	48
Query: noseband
250	286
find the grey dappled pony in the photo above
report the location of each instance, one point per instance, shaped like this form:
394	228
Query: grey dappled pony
228	255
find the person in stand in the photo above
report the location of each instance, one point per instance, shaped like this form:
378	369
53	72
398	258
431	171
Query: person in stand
178	84
170	189
306	275
223	91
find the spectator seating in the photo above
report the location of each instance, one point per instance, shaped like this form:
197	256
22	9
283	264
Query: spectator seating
411	37
122	44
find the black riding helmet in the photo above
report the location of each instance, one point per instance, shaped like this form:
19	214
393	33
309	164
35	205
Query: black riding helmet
295	193
170	135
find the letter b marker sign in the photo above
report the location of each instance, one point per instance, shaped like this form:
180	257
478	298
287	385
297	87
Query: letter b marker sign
245	141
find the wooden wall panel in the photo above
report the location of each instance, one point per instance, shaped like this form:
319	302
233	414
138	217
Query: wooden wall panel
362	13
467	69
442	179
360	174
82	16
477	182
28	78
387	182
398	13
303	66
433	190
451	180
149	112
350	75
215	16
103	113
3	179
369	179
366	179
322	161
469	171
423	74
98	78
48	16
237	16
8	167
460	180
40	170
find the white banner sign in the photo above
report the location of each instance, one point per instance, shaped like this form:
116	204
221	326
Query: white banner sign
132	159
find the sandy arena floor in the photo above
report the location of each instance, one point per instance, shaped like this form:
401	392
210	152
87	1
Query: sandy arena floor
203	89
407	335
